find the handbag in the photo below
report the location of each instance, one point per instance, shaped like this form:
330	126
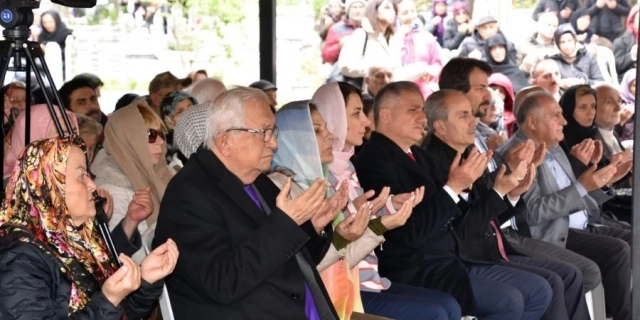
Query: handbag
336	75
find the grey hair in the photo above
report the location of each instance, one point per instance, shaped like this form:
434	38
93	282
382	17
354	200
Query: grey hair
529	104
435	107
228	111
391	90
206	90
88	125
534	70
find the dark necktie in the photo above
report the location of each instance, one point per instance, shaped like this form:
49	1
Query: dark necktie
252	193
314	299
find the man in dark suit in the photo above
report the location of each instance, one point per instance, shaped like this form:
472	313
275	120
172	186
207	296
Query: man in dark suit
247	251
562	205
425	251
472	78
451	129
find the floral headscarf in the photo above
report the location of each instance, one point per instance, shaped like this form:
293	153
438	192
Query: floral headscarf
34	211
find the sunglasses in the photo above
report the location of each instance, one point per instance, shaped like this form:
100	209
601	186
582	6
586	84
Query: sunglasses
153	135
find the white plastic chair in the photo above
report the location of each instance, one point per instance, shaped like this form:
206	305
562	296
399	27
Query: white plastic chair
595	303
165	304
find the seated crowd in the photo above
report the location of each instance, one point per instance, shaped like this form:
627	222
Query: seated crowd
410	189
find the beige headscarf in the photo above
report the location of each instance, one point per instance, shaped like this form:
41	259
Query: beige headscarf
126	143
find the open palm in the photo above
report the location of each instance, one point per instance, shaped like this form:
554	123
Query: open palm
160	262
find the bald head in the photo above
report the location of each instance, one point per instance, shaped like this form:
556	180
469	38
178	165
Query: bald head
546	74
207	90
608	106
522	94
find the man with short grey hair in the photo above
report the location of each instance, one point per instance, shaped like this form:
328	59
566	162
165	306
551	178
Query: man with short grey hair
248	251
546	74
207	90
562	205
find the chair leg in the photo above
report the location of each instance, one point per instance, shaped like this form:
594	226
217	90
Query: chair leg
595	302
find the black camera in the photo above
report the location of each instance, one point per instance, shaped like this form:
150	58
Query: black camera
15	13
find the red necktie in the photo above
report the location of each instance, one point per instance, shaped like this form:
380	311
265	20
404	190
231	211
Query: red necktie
411	156
499	240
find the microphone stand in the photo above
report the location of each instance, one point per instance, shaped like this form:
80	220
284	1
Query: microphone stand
102	222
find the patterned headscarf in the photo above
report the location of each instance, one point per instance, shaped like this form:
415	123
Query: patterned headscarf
34	211
189	131
171	100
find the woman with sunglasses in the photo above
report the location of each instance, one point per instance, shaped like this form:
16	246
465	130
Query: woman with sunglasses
132	166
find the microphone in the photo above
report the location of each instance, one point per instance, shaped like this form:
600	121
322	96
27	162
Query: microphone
102	221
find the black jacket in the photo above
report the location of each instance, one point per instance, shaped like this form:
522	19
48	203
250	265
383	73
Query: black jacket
452	38
425	251
621	50
32	287
479	240
236	262
123	243
607	22
476	42
552	5
585	66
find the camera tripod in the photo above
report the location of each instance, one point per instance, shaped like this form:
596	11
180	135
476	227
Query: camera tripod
17	47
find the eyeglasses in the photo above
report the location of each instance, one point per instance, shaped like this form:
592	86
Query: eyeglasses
154	134
267	134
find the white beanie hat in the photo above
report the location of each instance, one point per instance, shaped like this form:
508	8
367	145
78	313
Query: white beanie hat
350	2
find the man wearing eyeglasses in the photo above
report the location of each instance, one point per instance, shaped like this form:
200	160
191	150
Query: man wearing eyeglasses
248	251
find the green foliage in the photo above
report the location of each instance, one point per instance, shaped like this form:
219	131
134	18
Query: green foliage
227	11
524	4
128	84
317	6
287	2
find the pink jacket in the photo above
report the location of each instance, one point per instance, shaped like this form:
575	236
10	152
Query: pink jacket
421	46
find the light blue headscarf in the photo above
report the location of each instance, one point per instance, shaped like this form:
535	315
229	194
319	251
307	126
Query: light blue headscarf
297	144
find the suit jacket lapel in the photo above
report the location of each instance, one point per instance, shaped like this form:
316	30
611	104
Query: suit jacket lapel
267	191
228	183
400	156
562	159
546	175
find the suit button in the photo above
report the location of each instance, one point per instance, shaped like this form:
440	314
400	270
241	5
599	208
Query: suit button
295	296
286	256
562	239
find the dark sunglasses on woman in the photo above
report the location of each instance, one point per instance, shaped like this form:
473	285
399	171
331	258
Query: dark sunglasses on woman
154	134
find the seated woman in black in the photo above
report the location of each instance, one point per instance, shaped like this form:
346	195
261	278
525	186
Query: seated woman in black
498	59
578	105
53	262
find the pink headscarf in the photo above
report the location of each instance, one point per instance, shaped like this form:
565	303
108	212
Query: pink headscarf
330	103
41	123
